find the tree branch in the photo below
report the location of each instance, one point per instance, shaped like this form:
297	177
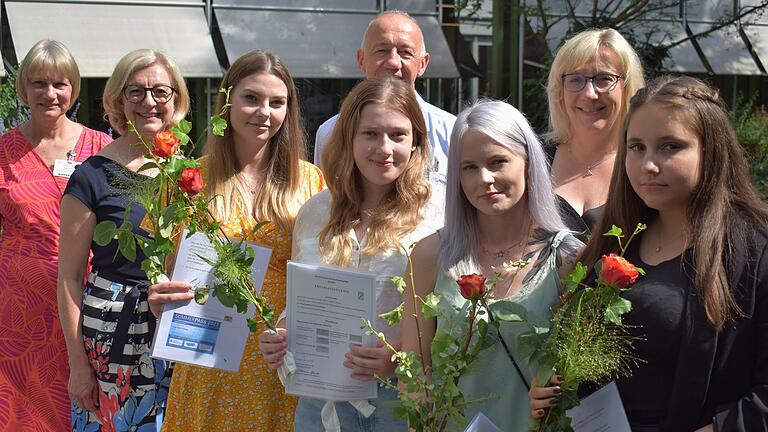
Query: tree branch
742	13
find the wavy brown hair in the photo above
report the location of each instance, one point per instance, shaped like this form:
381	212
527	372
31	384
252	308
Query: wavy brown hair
278	199
399	211
722	207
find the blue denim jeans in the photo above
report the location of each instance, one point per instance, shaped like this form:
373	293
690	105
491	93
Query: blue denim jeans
307	417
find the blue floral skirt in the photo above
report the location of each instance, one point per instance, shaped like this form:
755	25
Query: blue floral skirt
117	332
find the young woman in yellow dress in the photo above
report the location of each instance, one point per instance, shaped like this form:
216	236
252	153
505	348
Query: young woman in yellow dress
256	172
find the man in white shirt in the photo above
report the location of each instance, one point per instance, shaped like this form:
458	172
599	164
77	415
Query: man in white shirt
393	45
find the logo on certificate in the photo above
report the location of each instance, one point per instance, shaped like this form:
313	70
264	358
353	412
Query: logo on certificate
361	295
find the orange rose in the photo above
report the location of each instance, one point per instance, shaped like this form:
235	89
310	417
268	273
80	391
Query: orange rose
472	287
191	181
617	271
165	144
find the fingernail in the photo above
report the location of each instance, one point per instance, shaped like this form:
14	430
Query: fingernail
559	378
557	390
553	402
540	412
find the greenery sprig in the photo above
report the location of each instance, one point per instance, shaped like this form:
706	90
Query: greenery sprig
174	202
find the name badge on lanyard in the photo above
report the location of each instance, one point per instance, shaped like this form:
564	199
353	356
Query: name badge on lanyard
65	167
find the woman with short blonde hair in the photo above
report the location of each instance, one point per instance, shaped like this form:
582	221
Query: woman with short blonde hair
36	159
591	80
114	382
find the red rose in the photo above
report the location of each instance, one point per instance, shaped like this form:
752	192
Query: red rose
191	181
618	272
165	144
472	287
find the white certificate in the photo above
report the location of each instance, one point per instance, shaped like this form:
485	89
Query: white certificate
325	307
602	411
481	423
209	335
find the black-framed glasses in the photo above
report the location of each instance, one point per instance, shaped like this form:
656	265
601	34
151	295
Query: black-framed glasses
602	83
161	93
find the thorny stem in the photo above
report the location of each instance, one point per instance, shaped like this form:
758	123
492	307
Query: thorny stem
415	298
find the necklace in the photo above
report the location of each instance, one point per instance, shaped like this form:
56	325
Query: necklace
503	253
588	171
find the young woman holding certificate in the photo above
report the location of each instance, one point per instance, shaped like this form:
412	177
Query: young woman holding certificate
377	203
701	310
499	208
256	172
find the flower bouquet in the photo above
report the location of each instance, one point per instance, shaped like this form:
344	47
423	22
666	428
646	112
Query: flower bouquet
430	397
587	342
174	202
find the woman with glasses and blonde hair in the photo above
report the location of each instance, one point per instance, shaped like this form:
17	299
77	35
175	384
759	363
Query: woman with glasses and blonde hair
114	383
591	80
255	172
35	163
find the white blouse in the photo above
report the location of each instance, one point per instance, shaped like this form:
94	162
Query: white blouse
313	217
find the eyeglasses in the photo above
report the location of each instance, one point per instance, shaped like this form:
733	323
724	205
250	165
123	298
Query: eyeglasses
602	83
161	93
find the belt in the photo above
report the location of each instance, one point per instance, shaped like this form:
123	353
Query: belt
124	320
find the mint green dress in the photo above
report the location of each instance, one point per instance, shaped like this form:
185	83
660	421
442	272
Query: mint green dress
493	375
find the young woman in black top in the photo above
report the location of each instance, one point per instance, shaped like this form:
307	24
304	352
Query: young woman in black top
702	309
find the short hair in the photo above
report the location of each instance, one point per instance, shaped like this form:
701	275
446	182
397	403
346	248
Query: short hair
44	57
399	212
508	127
128	65
575	53
397	13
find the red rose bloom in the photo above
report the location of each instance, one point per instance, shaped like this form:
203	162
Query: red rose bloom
617	271
165	144
191	181
472	287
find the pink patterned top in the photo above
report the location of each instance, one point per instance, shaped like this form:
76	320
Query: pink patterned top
33	354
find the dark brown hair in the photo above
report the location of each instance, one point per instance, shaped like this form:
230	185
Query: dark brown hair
721	207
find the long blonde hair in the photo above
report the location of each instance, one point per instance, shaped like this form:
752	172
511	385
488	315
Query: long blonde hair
398	212
278	200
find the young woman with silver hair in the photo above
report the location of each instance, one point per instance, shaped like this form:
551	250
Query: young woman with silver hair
499	208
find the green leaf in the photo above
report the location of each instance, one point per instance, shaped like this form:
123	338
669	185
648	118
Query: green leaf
201	294
147	166
218	125
166	220
126	244
529	343
510	311
545	371
253	326
429	305
184	127
575	277
399	283
104	232
394	316
616	308
614	232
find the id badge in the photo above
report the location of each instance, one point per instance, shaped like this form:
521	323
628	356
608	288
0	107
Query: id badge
64	168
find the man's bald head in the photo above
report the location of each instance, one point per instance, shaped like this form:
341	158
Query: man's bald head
393	46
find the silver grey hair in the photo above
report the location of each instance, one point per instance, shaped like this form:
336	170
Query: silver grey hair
504	124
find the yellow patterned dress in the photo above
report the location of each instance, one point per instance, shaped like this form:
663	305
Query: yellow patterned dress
252	399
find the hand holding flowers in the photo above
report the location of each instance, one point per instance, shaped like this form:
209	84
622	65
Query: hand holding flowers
587	342
174	202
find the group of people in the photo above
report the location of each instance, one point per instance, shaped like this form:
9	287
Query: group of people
474	191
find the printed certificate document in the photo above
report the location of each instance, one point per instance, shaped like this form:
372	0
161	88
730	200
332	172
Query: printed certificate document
602	411
325	308
209	335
